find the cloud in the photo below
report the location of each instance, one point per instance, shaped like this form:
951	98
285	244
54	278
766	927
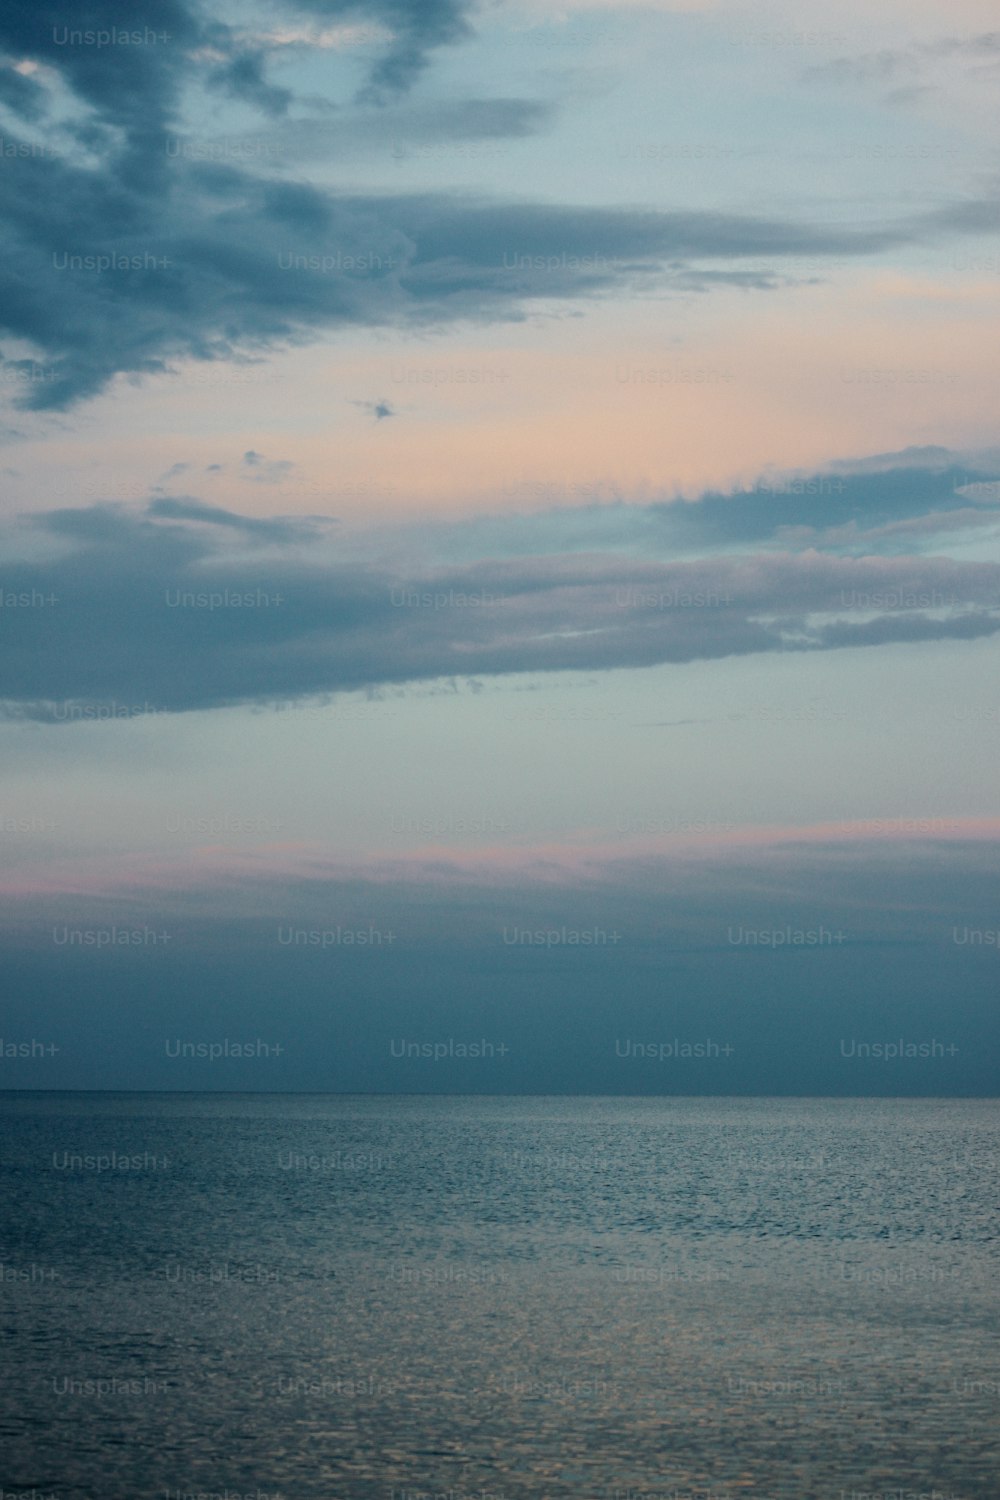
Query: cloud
276	529
21	93
243	77
175	470
264	470
417	28
856	506
123	257
219	262
675	953
156	607
380	410
401	129
887	67
128	82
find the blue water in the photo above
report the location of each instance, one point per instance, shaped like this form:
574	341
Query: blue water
520	1297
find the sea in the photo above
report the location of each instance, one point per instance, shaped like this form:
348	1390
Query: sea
464	1298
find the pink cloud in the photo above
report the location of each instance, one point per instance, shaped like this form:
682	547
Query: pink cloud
213	873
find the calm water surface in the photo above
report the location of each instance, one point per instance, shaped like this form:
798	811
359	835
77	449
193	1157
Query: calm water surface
410	1297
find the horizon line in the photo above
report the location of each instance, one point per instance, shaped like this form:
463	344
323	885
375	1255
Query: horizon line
386	1094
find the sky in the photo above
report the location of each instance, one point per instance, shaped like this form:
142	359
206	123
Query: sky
500	546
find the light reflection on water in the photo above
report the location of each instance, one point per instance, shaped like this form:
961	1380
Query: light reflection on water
360	1297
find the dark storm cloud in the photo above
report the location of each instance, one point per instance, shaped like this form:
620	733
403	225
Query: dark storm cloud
157	607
